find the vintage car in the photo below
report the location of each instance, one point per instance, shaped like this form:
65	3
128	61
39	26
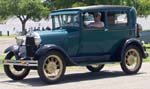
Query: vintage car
74	42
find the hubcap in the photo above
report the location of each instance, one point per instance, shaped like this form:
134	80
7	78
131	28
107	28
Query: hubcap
132	59
53	67
95	66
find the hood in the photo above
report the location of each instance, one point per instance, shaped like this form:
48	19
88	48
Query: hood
53	37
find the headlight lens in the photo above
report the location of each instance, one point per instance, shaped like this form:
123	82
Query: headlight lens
20	40
36	36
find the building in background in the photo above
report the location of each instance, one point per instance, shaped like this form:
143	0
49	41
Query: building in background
13	25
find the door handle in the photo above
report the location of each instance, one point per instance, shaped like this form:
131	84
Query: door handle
106	29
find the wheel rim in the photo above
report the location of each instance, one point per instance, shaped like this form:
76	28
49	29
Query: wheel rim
53	67
96	66
132	59
13	69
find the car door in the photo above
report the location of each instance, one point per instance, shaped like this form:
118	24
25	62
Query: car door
104	41
92	38
119	29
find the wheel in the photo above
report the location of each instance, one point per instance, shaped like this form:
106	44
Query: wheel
15	72
51	67
95	68
132	60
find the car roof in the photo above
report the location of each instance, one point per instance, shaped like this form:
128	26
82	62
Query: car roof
95	7
99	6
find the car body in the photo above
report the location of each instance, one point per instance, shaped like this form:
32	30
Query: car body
72	42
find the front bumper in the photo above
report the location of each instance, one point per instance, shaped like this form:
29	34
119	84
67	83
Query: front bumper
24	63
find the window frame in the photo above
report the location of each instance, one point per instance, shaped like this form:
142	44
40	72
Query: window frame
117	25
104	20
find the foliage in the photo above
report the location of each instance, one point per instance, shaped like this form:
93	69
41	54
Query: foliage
36	9
142	6
23	9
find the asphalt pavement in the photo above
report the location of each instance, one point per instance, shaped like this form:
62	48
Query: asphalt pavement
111	77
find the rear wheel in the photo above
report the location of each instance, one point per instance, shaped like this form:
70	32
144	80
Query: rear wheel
15	72
51	67
95	68
132	60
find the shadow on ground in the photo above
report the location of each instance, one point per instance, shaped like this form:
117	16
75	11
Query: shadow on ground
76	77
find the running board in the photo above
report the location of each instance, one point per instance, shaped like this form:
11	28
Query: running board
28	63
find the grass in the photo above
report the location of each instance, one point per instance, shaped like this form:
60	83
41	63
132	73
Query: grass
5	36
1	58
148	51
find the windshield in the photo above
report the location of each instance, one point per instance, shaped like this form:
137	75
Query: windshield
65	20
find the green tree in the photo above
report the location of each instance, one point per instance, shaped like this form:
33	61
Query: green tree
4	13
24	10
142	6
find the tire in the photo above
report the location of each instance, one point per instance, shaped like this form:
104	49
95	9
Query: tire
131	60
96	68
49	64
22	72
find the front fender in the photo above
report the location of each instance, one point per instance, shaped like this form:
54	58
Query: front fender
47	48
13	48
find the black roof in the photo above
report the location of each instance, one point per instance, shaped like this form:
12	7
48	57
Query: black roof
96	7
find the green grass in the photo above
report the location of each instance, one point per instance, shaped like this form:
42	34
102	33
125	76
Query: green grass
11	36
147	59
1	58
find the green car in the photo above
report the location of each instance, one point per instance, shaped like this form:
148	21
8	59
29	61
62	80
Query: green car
90	36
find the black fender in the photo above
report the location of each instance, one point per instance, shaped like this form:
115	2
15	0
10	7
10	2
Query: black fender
50	47
13	48
137	43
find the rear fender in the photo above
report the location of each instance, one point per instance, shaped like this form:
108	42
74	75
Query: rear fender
135	42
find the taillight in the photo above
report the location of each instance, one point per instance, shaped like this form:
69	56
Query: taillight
139	29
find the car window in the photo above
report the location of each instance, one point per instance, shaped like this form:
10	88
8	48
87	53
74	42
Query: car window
65	20
88	18
93	19
117	18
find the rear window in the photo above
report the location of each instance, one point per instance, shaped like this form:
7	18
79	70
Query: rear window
117	18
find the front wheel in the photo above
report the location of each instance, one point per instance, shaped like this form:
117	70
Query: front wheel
95	68
15	72
132	60
51	67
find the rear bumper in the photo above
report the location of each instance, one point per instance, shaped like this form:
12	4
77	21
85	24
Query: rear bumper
25	63
145	53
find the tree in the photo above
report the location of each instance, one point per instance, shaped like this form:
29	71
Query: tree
142	6
24	10
3	10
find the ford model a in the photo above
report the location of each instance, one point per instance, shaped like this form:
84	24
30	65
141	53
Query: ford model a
79	39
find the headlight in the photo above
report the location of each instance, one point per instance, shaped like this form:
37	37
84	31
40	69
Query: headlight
20	40
36	36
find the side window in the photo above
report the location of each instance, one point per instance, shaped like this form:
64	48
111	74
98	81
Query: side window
94	19
117	18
